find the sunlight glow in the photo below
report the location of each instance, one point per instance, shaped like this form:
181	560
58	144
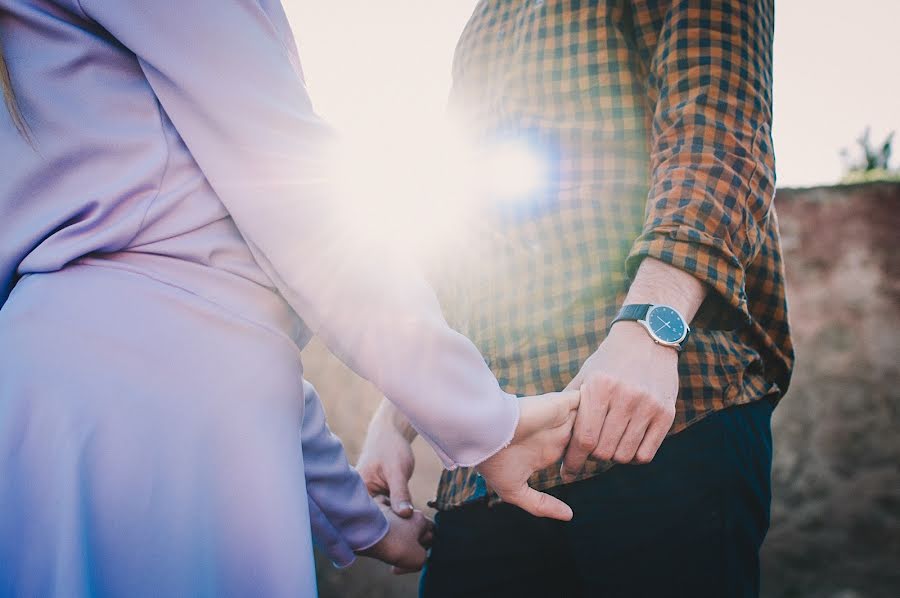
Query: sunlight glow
511	171
422	187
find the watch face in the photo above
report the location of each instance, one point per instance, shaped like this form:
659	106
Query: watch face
666	324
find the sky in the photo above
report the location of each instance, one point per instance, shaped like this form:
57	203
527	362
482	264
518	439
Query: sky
374	68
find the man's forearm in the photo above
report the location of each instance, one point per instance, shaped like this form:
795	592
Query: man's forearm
660	283
387	414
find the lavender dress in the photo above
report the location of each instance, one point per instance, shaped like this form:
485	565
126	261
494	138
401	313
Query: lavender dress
167	246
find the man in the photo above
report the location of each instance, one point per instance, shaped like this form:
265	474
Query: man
655	117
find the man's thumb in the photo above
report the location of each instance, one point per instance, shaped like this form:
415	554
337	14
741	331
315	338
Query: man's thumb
401	500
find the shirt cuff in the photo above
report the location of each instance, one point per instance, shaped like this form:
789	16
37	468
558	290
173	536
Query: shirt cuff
340	547
469	451
708	259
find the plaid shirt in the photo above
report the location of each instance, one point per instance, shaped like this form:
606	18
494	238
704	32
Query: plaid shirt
655	116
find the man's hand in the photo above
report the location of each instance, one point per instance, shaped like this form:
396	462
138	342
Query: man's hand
628	389
545	426
405	544
629	385
387	461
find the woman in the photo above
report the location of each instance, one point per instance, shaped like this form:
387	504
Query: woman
168	245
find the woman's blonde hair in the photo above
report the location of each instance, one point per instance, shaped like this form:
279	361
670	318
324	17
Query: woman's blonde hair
9	99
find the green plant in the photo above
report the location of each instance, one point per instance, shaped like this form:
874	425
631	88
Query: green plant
872	162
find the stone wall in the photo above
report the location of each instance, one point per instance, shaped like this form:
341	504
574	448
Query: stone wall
836	480
836	507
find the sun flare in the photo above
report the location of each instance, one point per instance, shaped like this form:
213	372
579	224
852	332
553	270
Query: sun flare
423	186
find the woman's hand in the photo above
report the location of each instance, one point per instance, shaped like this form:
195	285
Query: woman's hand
544	430
406	543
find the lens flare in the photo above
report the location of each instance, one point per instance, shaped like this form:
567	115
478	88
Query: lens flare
422	187
511	171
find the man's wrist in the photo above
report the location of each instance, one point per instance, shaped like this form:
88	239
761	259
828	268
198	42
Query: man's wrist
632	331
659	283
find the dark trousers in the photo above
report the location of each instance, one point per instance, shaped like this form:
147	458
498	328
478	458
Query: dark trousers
690	523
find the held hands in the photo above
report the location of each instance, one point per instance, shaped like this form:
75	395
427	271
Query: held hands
545	426
387	461
625	408
628	389
386	465
406	541
544	430
629	385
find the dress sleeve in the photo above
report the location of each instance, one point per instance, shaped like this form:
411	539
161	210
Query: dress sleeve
227	74
712	164
344	518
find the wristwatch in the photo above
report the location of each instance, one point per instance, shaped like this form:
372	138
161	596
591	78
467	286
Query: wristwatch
663	323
